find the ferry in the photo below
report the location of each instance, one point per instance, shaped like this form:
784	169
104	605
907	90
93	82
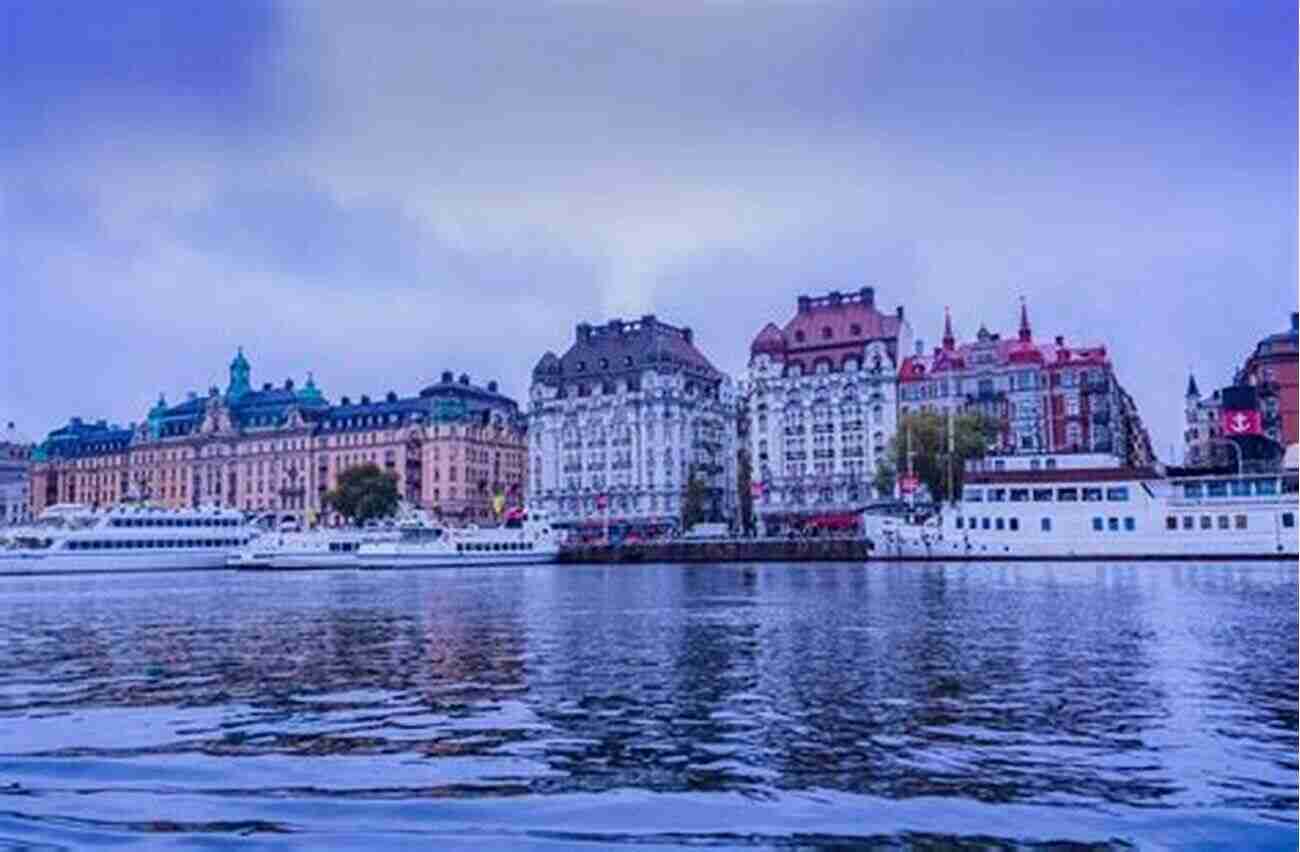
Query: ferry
1093	514
293	549
526	537
75	538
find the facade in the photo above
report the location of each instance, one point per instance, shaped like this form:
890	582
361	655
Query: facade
821	396
623	419
15	461
1271	370
1203	437
1048	398
454	447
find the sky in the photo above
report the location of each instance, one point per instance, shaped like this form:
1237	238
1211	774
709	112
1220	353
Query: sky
377	192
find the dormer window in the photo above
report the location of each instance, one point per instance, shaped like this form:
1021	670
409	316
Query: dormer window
582	365
799	337
826	332
604	363
855	330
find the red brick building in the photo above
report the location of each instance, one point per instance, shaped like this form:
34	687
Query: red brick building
1271	369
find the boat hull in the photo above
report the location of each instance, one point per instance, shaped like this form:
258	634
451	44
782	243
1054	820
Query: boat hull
28	564
454	560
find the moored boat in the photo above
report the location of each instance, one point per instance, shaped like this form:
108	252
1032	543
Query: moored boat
524	538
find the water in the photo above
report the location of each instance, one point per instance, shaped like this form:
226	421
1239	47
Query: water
765	706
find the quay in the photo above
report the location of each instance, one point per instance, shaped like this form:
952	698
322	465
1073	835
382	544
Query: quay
722	550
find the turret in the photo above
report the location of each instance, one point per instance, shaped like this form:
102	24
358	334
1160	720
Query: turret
1025	334
949	341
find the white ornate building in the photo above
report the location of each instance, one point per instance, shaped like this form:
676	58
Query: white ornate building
620	422
822	405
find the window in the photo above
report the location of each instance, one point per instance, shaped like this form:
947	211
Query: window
1241	488
1171	522
1223	522
1288	520
1067	495
1192	490
960	521
1265	486
1014	523
1216	489
1206	522
997	495
973	495
1000	523
1046	525
799	336
1097	524
1129	525
985	523
1188	522
826	332
1112	524
1117	494
855	330
1241	521
1042	495
1019	495
1092	495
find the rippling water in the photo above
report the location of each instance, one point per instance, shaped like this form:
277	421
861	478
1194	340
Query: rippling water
788	706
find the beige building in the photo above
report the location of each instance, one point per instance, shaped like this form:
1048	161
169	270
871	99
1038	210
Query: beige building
453	447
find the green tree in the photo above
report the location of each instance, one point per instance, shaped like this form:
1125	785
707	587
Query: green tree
885	479
693	496
744	485
364	493
930	453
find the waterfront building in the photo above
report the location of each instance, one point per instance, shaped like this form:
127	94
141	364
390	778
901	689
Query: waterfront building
1046	398
1203	435
1271	369
622	420
821	397
15	462
454	447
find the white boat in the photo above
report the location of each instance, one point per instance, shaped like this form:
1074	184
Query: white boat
333	548
524	538
1112	514
74	538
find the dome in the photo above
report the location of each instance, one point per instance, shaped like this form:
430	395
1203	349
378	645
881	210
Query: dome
770	340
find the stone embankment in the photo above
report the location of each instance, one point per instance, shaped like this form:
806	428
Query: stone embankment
730	550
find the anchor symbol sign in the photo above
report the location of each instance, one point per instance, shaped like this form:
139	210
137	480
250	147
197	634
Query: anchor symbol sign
1241	422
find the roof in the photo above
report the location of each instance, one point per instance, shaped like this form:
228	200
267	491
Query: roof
1004	353
621	347
836	319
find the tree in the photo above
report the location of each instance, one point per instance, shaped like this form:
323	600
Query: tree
693	498
885	479
929	444
744	492
364	493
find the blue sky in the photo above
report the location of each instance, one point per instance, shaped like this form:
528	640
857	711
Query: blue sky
377	192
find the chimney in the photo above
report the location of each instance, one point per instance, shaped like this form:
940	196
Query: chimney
868	296
464	378
615	325
446	377
1060	340
805	304
583	332
688	335
899	313
266	386
920	347
836	297
288	384
1295	322
193	395
392	396
492	386
345	401
365	399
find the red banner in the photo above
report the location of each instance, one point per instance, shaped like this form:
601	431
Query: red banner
1240	423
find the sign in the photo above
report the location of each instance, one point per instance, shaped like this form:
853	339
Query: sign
1240	423
908	484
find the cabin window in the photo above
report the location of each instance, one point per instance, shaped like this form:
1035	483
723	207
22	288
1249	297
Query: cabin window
1171	522
1288	520
1240	521
1014	523
1206	522
1188	522
984	523
1265	486
960	521
1117	494
1216	489
997	495
1046	525
1223	522
999	523
1019	495
1092	495
1129	525
1192	490
973	495
1067	495
1042	495
1240	488
1112	524
1097	524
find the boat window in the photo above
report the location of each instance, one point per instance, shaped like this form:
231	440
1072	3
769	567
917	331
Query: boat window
1130	525
1171	522
1014	523
997	495
1097	524
1019	495
973	495
1042	495
1241	488
985	523
1046	525
1206	522
1223	522
1288	520
1112	524
1216	489
1240	522
1092	495
1188	522
1117	494
1192	490
999	523
460	548
1265	486
960	521
1067	495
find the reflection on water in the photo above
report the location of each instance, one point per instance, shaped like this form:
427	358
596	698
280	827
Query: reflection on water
767	705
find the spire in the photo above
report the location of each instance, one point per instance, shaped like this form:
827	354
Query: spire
1025	334
1192	390
949	342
